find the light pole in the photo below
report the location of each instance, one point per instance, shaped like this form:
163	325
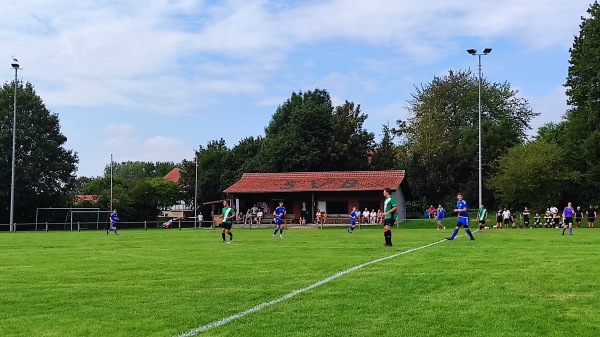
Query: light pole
196	192
15	65
474	52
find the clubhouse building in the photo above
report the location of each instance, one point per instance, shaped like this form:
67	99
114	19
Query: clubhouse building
303	193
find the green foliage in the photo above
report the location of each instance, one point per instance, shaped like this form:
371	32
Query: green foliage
441	135
44	169
132	171
532	175
352	144
386	155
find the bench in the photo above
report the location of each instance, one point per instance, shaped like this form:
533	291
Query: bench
338	218
289	218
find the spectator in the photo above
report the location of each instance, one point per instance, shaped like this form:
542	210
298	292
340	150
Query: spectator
548	218
506	217
431	212
537	221
319	217
248	218
440	213
578	216
526	217
365	215
372	217
591	215
498	219
380	216
259	215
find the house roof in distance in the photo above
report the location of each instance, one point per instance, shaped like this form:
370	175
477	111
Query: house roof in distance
173	175
317	181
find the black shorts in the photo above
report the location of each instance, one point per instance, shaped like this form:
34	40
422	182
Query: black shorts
591	219
482	222
226	225
556	221
568	220
577	219
506	221
526	221
389	222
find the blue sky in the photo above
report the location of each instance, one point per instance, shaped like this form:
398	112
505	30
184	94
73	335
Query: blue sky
152	80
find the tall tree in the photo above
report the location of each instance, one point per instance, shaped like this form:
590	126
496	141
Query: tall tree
583	95
44	168
532	175
131	171
352	144
441	134
298	137
386	155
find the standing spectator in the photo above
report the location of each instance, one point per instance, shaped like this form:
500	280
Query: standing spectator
431	212
591	215
526	214
354	215
365	215
440	216
114	217
462	219
568	219
227	216
279	214
555	216
498	219
506	217
578	216
390	207
372	217
481	217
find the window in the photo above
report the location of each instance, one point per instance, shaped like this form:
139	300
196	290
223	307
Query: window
337	207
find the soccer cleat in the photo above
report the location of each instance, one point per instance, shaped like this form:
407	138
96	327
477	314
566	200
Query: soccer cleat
449	239
388	244
107	232
472	238
281	236
228	243
273	235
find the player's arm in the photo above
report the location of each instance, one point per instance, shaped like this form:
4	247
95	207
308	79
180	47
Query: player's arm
395	208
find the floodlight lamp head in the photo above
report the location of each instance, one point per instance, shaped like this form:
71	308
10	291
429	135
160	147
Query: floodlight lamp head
487	51
472	51
15	65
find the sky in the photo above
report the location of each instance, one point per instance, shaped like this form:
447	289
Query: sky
153	80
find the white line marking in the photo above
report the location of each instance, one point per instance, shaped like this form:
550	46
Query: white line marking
263	305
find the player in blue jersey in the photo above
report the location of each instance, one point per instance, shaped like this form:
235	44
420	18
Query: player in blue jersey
463	217
354	215
114	217
279	214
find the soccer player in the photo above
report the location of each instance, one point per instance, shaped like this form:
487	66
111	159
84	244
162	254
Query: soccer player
354	215
114	217
568	219
279	214
537	220
481	217
390	207
227	216
463	217
440	216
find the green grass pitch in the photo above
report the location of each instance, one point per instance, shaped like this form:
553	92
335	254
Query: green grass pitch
531	282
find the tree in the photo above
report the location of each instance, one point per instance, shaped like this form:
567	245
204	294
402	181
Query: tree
44	169
441	134
532	175
386	155
298	137
352	144
582	129
131	171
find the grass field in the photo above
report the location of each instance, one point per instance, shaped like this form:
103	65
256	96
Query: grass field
531	282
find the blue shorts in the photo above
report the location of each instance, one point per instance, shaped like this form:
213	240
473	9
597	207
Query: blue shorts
278	221
352	222
463	222
113	224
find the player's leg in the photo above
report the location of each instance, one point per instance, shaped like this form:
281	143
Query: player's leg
223	233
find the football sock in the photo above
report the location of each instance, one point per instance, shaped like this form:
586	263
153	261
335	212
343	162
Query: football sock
281	231
275	232
390	236
571	231
454	233
470	234
115	231
564	229
223	236
230	236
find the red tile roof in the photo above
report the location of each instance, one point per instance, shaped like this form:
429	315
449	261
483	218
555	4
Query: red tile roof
173	175
316	181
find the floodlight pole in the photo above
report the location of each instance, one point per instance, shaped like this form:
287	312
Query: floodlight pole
15	65
196	191
111	182
474	52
